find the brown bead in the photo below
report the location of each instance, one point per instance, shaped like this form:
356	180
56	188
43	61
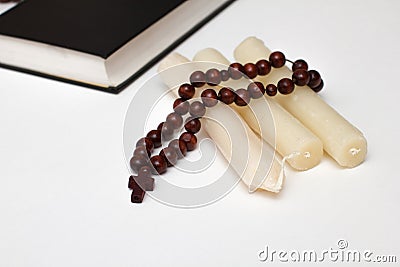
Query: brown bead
315	79
141	151
242	97
277	59
145	171
198	78
197	109
319	87
186	91
181	106
285	86
213	77
225	75
226	95
132	184
236	71
167	130
190	140
137	195
264	67
147	143
271	89
175	120
256	90
209	97
192	125
155	137
169	155
179	146
250	70
137	162
299	64
300	77
159	164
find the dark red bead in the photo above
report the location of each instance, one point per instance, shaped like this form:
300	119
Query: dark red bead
190	140
319	87
226	95
144	141
186	91
251	70
132	184
175	120
299	65
315	78
197	109
137	195
285	86
179	146
264	67
300	77
167	130
155	137
236	71
242	97
225	75
181	106
141	151
209	97
145	171
213	77
256	90
198	78
192	125
271	89
137	162
159	164
170	156
277	59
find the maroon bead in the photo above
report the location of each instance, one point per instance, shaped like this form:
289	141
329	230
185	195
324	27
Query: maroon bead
277	59
179	146
159	164
169	155
226	95
256	90
285	86
155	137
242	97
209	97
250	70
145	171
299	65
198	78
137	195
167	130
141	151
145	183
225	75
315	78
186	91
137	162
181	106
197	109
319	87
192	125
190	140
144	141
236	71
264	67
300	77
132	184
213	77
271	89
175	120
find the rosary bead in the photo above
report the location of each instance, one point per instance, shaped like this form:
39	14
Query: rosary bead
198	78
285	86
209	97
319	87
141	151
250	70
299	64
167	130
155	137
137	195
175	120
169	155
137	162
271	89
190	140
197	109
145	141
315	78
179	146
145	171
159	164
300	77
242	97
277	59
256	90
225	75
226	95
186	91
192	125
264	67
236	71
181	106
213	77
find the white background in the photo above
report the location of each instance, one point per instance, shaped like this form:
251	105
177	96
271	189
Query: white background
63	179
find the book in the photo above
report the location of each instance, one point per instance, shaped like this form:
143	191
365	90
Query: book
99	44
